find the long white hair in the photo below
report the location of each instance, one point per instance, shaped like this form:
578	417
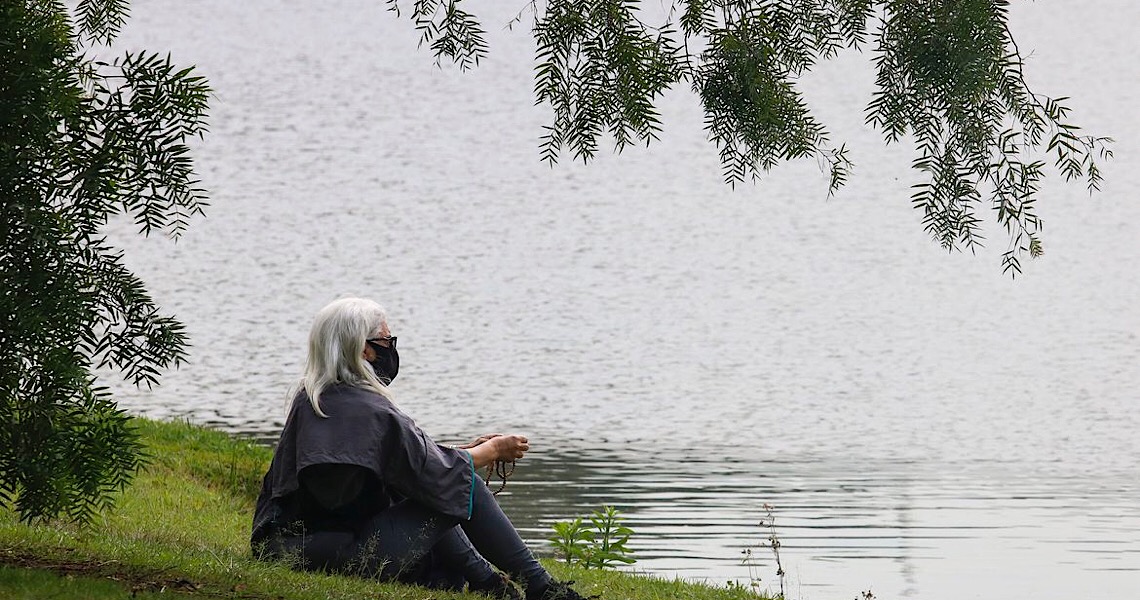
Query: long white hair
336	349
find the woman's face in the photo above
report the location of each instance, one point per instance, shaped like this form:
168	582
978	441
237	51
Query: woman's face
369	353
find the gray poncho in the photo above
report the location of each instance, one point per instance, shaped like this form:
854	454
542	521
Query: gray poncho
366	430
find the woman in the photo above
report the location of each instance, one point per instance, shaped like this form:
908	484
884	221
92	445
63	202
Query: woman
356	487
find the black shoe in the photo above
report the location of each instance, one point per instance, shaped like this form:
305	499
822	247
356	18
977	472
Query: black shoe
559	590
498	586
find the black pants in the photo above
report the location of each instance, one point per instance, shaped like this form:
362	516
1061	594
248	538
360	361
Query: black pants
413	544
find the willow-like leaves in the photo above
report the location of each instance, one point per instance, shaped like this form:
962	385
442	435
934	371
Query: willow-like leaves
80	142
949	80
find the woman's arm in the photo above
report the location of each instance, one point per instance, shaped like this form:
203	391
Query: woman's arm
499	447
479	440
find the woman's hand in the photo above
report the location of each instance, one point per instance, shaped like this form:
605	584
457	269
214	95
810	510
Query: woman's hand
511	447
498	447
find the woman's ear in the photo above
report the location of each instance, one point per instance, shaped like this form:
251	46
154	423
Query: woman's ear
369	354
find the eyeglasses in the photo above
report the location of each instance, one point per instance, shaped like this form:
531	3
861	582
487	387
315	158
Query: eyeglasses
384	342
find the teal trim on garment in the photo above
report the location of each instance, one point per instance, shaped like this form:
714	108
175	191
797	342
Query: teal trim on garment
471	494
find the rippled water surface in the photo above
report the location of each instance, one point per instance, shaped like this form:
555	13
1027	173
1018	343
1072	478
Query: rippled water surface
923	426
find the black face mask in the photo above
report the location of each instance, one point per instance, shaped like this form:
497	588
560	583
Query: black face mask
387	363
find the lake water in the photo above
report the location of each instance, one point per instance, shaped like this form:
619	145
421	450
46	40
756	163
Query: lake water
923	426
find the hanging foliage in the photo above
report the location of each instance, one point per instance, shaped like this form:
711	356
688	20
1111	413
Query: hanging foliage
949	80
80	142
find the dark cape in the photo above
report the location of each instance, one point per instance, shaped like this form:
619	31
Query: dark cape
366	430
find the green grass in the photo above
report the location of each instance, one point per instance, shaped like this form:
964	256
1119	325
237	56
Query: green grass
182	529
36	584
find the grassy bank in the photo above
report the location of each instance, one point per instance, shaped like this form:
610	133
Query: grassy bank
181	530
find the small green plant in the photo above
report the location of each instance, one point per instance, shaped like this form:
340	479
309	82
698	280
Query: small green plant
752	562
571	540
598	547
749	560
774	545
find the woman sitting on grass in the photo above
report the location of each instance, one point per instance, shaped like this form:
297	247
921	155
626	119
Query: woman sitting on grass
356	487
